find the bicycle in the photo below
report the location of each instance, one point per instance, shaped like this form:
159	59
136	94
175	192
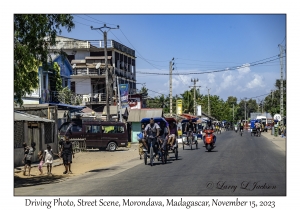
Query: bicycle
151	153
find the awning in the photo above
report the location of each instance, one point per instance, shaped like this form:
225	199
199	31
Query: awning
21	116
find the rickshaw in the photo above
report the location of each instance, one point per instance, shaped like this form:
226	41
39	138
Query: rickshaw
175	147
253	129
189	140
162	152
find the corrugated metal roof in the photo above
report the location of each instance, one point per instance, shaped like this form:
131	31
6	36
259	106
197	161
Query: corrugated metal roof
21	116
136	115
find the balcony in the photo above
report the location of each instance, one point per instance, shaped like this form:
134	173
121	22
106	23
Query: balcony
72	45
87	71
94	98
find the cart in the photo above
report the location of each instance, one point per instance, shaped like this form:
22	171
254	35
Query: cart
189	141
151	155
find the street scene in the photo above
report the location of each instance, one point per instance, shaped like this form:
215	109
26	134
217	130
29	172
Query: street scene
105	106
252	174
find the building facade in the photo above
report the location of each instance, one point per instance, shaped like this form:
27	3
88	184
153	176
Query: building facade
88	77
46	92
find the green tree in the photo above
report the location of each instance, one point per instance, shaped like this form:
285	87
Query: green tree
56	81
188	101
66	96
232	100
272	101
33	35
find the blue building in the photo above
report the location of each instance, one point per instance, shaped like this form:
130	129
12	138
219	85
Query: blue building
46	92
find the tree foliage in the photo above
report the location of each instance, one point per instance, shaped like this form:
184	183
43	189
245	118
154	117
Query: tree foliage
271	103
66	96
56	75
33	35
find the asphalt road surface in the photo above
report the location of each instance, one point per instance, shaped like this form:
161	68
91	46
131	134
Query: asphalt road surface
238	166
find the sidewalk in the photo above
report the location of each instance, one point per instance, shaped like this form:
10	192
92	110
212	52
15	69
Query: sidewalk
82	163
278	140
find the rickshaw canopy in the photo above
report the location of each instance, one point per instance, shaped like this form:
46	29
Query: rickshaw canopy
193	120
156	120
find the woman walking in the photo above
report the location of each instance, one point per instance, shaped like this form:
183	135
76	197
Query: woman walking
67	153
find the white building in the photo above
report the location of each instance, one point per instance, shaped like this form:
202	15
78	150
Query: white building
88	62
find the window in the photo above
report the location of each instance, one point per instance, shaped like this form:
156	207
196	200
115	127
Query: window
64	127
93	129
73	87
66	82
76	128
113	129
97	53
44	82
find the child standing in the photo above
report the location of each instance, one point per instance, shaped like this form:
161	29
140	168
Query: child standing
41	159
28	158
48	156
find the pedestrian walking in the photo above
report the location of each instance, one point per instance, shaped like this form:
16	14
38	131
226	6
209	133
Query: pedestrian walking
41	159
49	156
67	153
28	158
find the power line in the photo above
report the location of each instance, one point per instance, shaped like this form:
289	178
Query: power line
258	96
80	23
138	51
102	21
214	71
283	39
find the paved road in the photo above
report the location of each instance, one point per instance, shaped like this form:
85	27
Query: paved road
238	166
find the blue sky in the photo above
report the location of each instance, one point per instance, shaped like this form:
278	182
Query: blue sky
198	43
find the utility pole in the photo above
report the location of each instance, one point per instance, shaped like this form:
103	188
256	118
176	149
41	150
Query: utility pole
233	113
245	108
208	102
281	82
119	99
194	81
107	73
171	96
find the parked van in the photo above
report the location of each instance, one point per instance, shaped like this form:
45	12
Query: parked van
97	134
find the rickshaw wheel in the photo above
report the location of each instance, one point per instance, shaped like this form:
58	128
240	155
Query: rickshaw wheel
176	153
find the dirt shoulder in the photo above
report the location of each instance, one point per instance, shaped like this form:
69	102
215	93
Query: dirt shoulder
82	163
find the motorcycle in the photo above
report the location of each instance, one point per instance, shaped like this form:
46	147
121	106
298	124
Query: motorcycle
235	128
209	140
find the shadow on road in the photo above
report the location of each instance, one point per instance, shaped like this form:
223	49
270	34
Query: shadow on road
103	169
37	180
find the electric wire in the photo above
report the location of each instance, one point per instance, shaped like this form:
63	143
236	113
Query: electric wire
213	71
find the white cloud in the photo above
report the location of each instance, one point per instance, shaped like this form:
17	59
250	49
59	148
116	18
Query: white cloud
256	82
240	83
243	70
211	78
